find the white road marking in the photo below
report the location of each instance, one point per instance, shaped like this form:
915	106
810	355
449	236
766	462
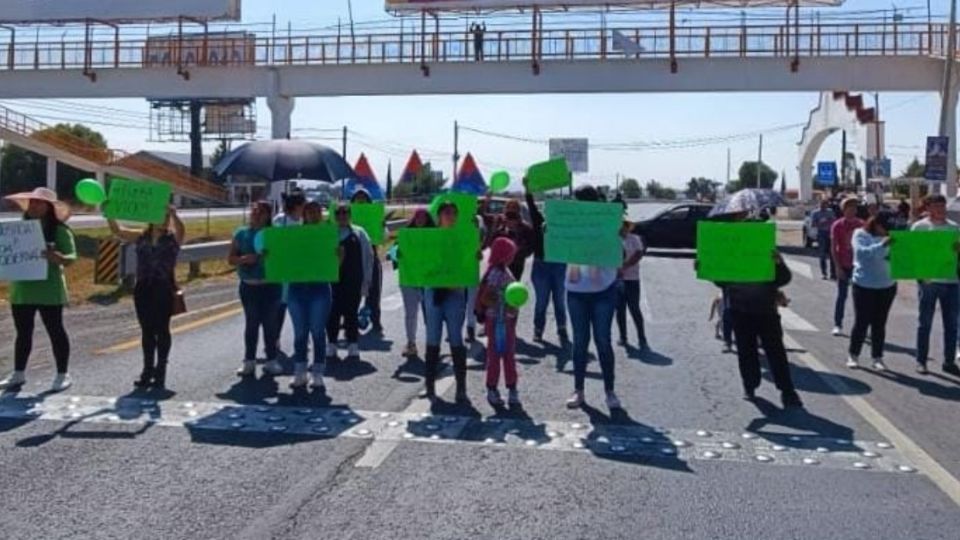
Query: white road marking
912	451
391	302
798	267
794	322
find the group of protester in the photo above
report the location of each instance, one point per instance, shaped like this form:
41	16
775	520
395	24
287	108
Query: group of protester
591	296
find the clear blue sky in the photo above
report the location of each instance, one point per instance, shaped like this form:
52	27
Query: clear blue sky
392	126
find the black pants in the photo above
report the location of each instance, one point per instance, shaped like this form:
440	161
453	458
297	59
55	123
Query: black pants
24	317
154	305
748	327
261	307
346	302
630	299
376	290
871	308
516	268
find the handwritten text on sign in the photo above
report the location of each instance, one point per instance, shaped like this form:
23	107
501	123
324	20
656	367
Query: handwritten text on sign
144	202
21	252
736	252
439	257
584	233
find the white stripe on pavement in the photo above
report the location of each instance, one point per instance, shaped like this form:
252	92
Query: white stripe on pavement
798	267
794	322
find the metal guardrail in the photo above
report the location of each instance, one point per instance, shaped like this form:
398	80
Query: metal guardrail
195	254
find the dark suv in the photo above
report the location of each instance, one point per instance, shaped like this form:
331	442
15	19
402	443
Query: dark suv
673	228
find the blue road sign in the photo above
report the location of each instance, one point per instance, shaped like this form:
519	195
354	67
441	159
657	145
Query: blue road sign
878	168
936	166
827	173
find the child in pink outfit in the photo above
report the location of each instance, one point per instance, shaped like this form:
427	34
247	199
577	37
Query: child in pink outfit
501	321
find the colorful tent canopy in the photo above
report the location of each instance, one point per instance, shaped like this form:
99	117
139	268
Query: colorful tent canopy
413	168
365	179
469	179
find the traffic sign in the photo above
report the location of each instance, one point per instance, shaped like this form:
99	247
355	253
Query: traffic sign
878	168
576	152
936	166
827	173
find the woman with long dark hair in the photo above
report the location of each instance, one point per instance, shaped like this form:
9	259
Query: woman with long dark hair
47	297
873	290
157	248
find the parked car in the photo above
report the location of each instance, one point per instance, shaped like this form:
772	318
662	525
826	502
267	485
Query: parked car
673	228
809	230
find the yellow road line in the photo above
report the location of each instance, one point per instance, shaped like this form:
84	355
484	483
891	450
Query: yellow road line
924	462
134	343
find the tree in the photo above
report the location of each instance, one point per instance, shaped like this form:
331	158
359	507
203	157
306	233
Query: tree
655	190
22	170
219	152
915	169
747	176
389	181
702	189
631	188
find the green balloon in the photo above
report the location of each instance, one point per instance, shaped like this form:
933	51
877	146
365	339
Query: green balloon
516	295
500	181
90	192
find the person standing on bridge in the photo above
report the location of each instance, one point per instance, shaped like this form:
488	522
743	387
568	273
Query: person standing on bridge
260	300
445	307
356	272
478	30
944	291
157	248
548	279
823	218
841	249
48	297
873	290
592	301
309	305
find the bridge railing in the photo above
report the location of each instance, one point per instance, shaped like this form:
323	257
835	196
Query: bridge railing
804	40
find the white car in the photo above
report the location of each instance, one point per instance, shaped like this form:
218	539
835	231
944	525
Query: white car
809	231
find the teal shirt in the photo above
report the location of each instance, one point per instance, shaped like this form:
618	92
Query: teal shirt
244	238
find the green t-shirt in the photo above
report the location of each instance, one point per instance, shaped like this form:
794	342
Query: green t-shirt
53	290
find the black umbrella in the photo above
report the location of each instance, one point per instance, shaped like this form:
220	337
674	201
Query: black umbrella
285	159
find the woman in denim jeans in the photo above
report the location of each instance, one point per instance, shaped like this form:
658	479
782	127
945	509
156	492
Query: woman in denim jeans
413	296
592	301
309	306
445	306
261	300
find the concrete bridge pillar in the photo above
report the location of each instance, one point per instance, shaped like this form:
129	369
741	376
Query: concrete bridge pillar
951	122
51	173
281	113
101	177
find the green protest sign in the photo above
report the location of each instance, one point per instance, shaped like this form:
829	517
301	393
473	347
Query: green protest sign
584	233
439	257
923	254
370	216
548	175
466	206
130	200
302	254
736	252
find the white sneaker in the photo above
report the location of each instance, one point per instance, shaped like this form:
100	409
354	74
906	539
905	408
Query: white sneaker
273	367
853	362
837	331
61	382
575	401
300	378
248	368
353	351
15	380
879	365
332	350
613	402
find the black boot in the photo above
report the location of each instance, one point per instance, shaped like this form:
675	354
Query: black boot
471	334
431	364
459	355
160	375
146	376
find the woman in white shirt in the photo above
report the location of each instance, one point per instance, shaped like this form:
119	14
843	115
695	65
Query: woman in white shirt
591	301
630	286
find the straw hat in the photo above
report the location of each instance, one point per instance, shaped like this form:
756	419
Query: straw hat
60	208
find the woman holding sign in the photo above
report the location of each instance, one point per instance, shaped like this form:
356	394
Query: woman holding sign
260	300
48	296
356	272
153	295
873	290
413	296
445	307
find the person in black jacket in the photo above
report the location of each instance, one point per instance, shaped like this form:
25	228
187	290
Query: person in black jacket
753	308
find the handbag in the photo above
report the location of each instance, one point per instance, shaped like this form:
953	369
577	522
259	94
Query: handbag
179	303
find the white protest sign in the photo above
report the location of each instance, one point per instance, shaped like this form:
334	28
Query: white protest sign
21	251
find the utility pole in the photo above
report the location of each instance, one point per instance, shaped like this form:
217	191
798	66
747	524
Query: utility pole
946	97
728	168
343	182
759	160
456	150
843	158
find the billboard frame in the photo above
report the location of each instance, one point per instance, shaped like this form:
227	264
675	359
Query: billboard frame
19	12
477	6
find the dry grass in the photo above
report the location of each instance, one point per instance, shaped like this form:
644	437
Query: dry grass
80	275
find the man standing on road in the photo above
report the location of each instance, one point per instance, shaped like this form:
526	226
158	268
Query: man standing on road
943	291
823	219
841	248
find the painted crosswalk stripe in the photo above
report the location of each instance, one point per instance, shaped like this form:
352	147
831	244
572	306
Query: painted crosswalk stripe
798	267
793	322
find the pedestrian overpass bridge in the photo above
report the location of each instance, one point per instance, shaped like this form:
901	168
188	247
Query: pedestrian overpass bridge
868	56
